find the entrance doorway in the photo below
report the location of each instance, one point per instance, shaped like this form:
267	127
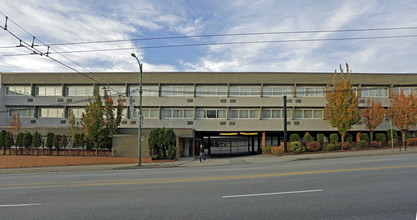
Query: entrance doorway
231	145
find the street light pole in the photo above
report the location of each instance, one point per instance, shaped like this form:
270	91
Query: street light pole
140	112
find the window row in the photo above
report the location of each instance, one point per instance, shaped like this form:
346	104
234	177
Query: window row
177	113
200	91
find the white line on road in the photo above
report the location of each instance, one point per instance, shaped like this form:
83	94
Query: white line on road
270	194
19	205
252	168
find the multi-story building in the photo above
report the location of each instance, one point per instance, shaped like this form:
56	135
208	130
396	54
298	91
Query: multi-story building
231	112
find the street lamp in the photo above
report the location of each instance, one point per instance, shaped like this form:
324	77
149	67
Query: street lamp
140	112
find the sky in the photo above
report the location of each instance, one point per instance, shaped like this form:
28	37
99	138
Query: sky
262	25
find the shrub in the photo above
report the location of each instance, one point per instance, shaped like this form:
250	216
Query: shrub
395	142
171	152
36	140
394	133
155	157
334	138
376	144
267	149
320	138
307	138
313	146
346	145
294	137
349	138
296	147
49	140
412	141
381	137
331	147
362	144
364	137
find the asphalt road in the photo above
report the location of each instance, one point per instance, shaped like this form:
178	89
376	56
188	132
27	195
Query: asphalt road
378	187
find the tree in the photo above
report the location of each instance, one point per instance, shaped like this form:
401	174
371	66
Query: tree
49	141
75	128
110	121
342	107
19	142
3	139
9	142
27	141
57	143
92	121
403	113
160	140
372	115
15	127
37	141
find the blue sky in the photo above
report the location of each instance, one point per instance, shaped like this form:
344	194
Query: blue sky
55	22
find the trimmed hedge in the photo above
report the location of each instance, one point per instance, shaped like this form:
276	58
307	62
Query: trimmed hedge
320	138
294	137
362	144
364	137
381	137
307	138
296	147
332	147
334	138
349	138
313	146
346	145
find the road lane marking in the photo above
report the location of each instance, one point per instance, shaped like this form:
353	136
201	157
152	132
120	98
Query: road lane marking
270	194
175	180
231	169
19	205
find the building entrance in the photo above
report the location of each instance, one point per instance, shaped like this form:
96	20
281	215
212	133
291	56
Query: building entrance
232	145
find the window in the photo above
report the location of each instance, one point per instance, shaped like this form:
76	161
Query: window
210	113
80	90
269	91
211	91
177	90
374	92
48	91
18	90
51	113
244	114
407	90
303	91
308	114
146	112
112	90
23	112
245	91
170	113
77	112
146	90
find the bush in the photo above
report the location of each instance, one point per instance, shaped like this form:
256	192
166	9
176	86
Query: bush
381	137
331	147
395	142
313	146
294	137
349	138
362	144
376	144
320	138
172	152
412	141
394	133
334	138
307	138
267	149
364	137
346	145
296	147
155	157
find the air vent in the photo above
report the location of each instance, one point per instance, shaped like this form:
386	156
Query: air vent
223	100
298	101
190	100
222	123
30	100
60	100
232	100
33	121
362	101
132	122
63	121
296	123
69	100
232	123
124	122
190	123
289	100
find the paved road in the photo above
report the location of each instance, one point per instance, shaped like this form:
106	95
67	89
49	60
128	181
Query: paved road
378	187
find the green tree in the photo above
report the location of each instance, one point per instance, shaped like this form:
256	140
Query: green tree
19	142
160	140
57	143
27	141
10	142
75	128
37	140
342	107
3	140
49	143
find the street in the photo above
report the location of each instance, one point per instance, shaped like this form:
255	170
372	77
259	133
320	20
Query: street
377	187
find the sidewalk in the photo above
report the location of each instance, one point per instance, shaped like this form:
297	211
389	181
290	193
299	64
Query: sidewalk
194	162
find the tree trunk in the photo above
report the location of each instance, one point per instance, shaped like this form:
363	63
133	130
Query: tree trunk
95	145
371	137
343	140
404	140
15	150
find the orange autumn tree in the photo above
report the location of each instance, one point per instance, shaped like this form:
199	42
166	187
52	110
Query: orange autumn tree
403	113
372	115
342	107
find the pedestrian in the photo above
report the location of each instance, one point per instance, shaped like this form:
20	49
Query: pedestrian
202	153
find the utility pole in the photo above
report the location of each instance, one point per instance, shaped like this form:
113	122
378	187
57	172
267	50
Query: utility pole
140	113
285	124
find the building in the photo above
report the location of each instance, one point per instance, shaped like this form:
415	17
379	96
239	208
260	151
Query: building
231	112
